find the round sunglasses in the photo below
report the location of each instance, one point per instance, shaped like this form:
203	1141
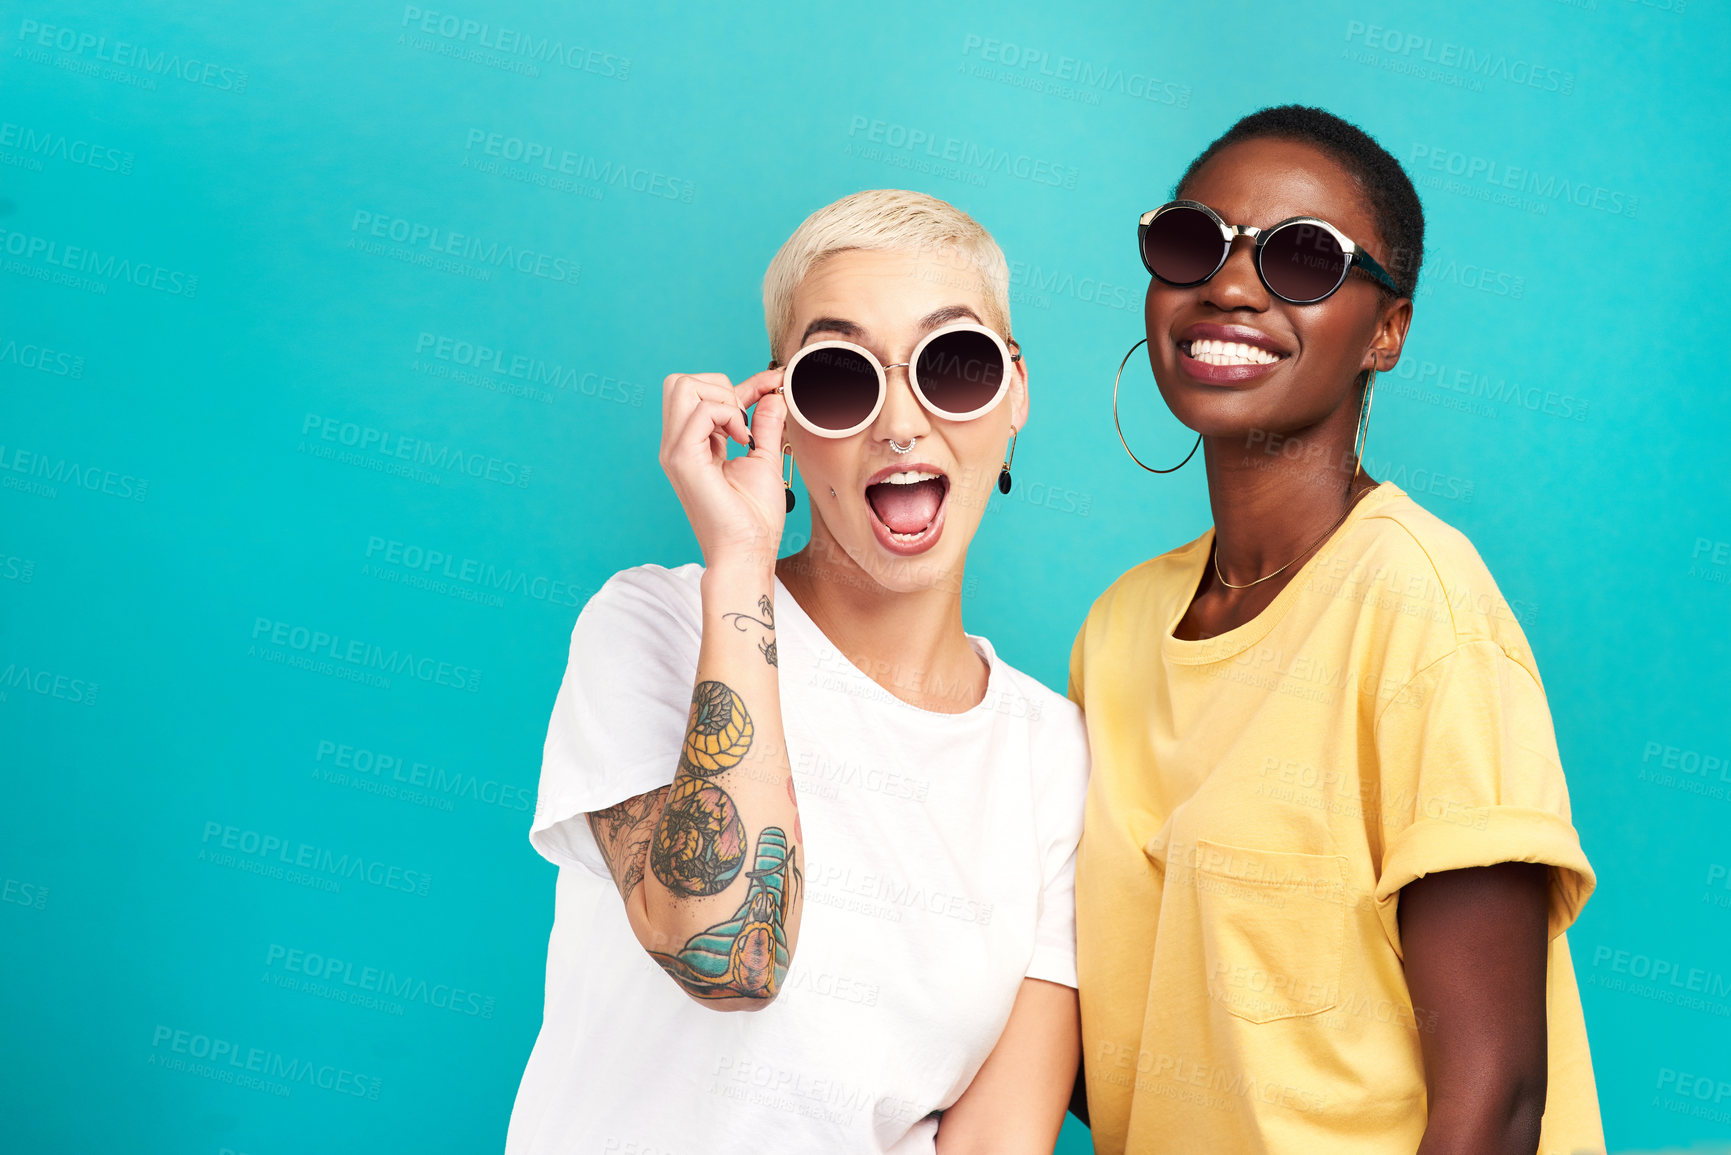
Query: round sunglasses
1301	260
958	372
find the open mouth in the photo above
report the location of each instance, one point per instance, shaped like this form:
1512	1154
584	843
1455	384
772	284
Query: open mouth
908	507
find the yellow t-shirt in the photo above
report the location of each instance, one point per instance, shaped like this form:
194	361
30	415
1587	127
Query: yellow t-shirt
1258	800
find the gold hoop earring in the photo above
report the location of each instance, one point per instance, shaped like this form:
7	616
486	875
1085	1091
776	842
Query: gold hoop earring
1363	427
787	478
1120	427
1004	473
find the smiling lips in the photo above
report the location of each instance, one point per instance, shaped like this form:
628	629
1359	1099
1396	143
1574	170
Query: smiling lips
1227	354
908	507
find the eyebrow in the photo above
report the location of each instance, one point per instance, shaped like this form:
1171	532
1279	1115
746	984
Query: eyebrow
851	329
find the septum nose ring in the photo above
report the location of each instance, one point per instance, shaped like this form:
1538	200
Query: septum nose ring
893	445
911	440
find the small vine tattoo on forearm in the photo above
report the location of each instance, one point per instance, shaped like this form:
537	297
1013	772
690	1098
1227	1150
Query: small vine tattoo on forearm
766	619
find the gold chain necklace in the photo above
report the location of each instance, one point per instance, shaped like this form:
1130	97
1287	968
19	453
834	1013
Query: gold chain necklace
1215	552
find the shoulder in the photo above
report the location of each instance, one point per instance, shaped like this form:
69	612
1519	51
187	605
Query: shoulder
680	583
1425	572
1057	735
646	600
1152	588
1053	716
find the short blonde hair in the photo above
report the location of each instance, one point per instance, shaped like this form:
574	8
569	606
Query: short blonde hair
884	219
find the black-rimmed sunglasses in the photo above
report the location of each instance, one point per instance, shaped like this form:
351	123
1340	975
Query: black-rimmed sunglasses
1302	260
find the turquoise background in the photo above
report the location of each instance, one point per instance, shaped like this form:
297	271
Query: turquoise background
174	499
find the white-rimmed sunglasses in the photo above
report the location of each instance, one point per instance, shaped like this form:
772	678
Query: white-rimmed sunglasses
958	372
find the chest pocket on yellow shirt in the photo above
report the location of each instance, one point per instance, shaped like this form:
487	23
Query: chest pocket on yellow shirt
1273	925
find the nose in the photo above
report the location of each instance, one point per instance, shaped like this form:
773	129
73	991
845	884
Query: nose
1236	285
903	417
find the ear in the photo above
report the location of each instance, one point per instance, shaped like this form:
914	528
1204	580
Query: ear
1390	336
1018	389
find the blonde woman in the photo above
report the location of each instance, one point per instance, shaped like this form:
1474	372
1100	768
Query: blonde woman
799	789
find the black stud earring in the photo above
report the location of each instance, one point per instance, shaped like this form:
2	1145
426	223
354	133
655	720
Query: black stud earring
787	481
1004	473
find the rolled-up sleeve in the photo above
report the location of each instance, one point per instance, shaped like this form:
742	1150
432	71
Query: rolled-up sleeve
1469	776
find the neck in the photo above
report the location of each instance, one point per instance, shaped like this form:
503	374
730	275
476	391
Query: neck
1272	495
910	643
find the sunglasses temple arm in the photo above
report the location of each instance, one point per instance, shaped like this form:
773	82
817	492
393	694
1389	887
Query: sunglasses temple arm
1375	270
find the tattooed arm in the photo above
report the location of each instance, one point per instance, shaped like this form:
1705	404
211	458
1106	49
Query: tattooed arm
709	867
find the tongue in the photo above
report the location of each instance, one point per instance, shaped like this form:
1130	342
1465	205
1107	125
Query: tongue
906	508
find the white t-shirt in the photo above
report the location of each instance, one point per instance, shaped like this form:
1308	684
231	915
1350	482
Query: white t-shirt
939	855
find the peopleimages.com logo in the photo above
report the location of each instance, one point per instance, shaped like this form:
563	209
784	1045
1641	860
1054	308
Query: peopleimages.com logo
369	441
529	49
35	144
436	240
279	852
363	655
96	50
1492	174
228	1061
968	156
382	981
1477	62
108	267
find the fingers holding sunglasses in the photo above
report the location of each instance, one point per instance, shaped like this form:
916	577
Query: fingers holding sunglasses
755	387
685	392
735	506
769	419
707	427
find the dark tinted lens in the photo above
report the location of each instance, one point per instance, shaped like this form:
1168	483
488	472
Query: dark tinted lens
834	388
961	371
1183	246
1303	262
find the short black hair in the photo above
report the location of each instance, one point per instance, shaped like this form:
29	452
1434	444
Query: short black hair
1387	189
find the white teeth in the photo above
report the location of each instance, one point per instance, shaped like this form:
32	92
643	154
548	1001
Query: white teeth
1231	353
908	477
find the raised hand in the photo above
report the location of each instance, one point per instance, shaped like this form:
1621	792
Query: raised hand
735	506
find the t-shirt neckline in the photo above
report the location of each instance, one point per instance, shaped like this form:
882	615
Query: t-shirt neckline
980	645
1196	652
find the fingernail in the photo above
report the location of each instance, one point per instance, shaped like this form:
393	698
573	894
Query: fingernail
751	443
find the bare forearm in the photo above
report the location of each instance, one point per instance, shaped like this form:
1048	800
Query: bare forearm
1501	1121
721	898
1015	1105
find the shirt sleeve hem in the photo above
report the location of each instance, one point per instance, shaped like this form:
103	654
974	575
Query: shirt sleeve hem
561	836
1486	837
548	843
1054	965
